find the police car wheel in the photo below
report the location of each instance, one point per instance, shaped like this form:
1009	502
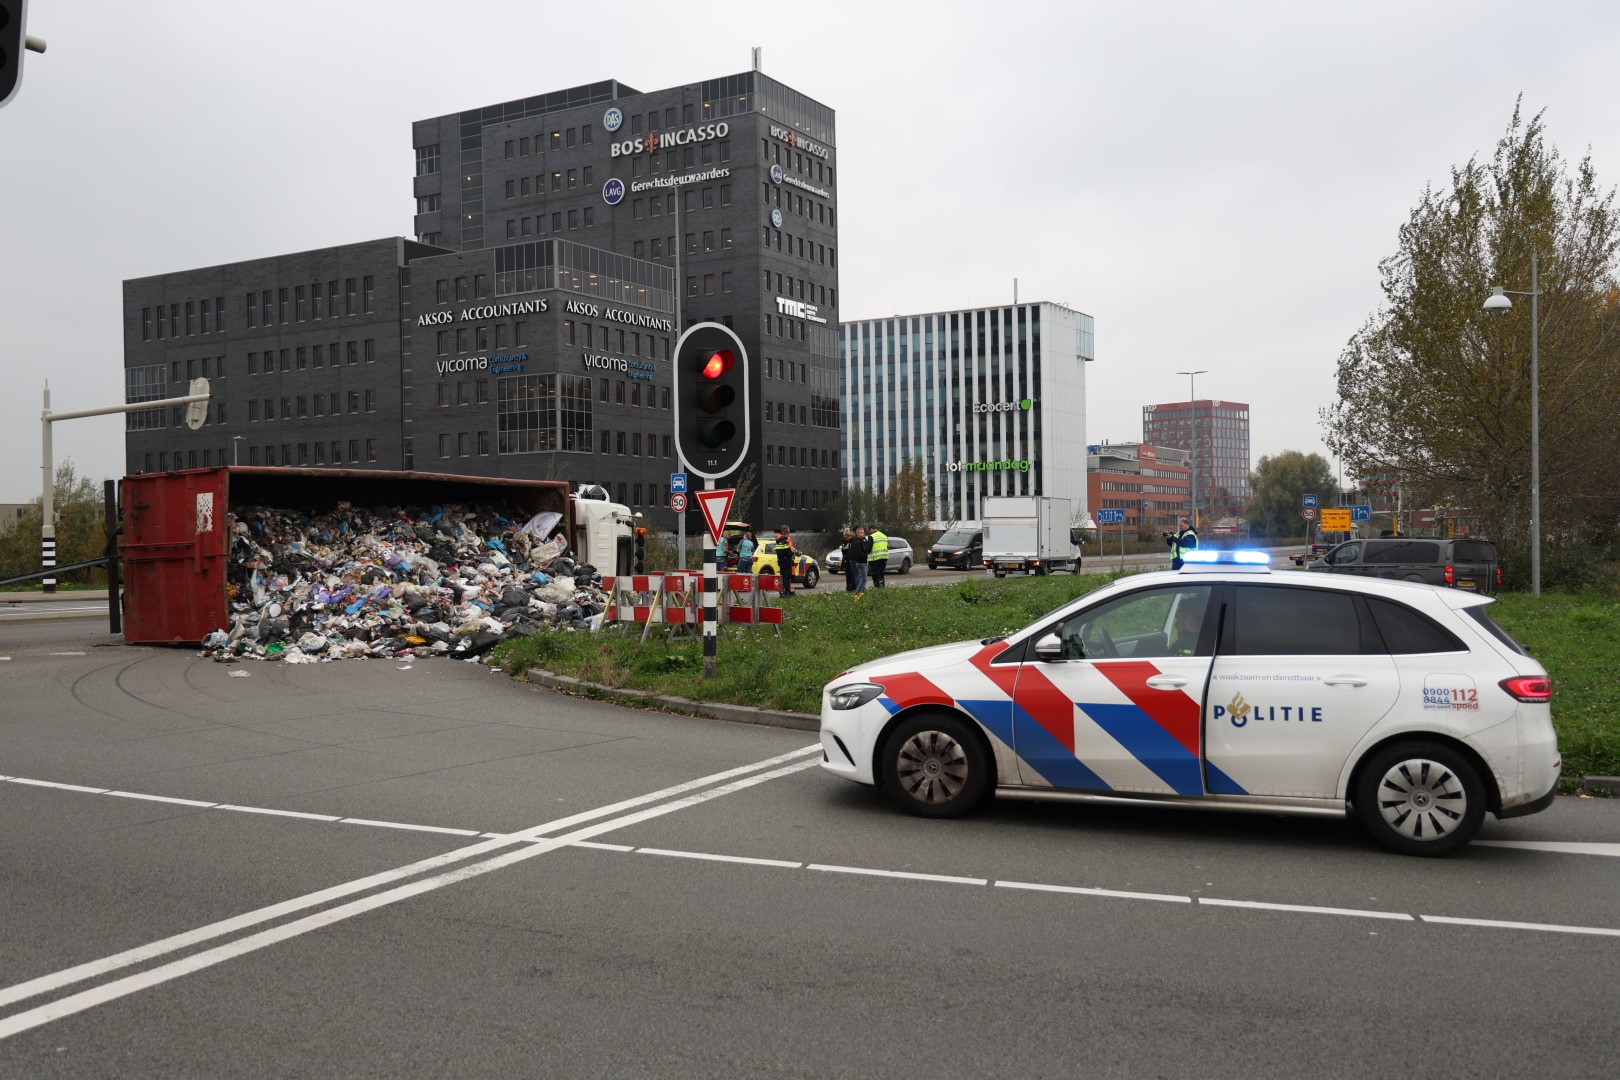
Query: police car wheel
1420	799
811	578
935	766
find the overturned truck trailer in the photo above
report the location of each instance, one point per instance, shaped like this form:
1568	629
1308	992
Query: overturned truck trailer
178	527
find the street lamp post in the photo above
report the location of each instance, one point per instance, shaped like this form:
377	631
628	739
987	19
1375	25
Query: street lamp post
1498	301
1192	421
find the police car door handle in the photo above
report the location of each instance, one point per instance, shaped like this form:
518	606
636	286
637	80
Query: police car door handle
1167	682
1344	680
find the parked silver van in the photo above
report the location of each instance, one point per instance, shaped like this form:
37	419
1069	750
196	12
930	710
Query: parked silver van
1462	563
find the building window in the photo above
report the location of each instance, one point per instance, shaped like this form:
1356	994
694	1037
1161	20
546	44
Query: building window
368	285
349	292
427	160
427	204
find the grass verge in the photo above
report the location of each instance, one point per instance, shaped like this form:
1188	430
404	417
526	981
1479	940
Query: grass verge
1577	638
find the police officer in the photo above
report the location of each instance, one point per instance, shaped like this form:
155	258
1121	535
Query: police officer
1180	542
785	558
877	559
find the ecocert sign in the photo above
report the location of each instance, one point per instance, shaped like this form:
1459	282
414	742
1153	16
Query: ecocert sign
618	315
485	311
632	369
1004	406
656	141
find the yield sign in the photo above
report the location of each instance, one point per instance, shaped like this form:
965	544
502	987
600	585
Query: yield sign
716	506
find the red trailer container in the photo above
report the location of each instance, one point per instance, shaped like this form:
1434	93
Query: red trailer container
177	529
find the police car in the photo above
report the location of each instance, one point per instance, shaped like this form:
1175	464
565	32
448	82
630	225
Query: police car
1224	686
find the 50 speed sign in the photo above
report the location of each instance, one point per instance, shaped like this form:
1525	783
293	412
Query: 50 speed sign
677	502
1309	513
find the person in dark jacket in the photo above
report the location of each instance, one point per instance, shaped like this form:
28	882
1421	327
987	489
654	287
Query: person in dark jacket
855	563
845	555
786	557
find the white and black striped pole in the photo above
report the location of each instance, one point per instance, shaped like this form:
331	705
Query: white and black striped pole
47	501
711	611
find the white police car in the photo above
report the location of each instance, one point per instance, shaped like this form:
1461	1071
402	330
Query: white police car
1220	685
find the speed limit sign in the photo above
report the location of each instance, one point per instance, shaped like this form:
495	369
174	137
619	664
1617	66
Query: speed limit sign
677	502
1309	513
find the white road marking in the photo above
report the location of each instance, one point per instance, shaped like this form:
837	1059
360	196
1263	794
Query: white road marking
603	847
161	798
413	828
1166	897
58	787
64	654
1399	916
151	950
907	874
129	984
278	813
1503	924
1562	847
744	859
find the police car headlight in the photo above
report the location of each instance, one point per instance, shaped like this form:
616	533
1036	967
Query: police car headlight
853	696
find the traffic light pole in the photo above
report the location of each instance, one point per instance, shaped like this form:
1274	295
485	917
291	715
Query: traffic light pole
711	612
47	498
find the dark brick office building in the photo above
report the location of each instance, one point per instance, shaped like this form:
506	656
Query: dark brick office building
562	242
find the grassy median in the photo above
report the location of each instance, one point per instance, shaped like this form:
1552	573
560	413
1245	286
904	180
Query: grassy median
828	631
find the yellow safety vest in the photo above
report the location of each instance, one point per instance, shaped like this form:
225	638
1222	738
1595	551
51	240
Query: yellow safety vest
880	548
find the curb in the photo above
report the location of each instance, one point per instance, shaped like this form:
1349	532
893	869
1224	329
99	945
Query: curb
1610	784
712	710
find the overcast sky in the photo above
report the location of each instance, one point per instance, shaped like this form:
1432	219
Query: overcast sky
1213	182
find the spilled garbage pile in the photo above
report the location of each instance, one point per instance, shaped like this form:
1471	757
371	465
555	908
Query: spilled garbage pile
397	583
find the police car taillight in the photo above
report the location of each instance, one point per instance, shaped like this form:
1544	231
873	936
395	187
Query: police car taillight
1534	689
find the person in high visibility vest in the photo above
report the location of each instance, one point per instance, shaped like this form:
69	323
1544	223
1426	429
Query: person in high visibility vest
877	560
785	558
1180	542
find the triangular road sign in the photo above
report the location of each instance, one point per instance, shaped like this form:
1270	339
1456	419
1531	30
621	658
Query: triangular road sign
716	506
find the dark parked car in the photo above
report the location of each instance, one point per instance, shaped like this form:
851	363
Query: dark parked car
1463	562
962	549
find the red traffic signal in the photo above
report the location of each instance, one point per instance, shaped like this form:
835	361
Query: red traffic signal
718	364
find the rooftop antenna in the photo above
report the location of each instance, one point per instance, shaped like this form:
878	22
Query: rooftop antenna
759	58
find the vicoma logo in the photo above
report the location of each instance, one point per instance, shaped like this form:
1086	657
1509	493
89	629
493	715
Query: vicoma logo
1004	406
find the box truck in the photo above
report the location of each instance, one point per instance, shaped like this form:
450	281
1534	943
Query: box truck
1028	534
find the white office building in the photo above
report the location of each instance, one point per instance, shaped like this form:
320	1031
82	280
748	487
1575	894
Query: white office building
992	401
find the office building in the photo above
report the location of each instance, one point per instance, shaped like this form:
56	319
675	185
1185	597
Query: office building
1216	433
991	401
562	243
1149	483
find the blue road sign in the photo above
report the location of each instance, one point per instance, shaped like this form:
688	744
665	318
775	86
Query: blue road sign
1110	517
1310	499
677	483
1361	513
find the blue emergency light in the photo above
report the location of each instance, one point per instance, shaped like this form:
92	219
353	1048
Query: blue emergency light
1235	557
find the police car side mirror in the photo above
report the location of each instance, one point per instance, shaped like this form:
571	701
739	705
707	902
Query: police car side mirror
1049	647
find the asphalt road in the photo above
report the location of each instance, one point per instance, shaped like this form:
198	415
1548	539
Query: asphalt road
372	868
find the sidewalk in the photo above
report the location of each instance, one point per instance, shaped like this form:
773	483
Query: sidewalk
98	596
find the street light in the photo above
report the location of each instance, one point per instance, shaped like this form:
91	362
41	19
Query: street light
1192	420
1498	301
236	451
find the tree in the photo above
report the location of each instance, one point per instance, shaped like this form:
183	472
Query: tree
1436	393
900	508
80	533
1277	487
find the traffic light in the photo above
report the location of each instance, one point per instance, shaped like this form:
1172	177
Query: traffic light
12	43
641	551
711	400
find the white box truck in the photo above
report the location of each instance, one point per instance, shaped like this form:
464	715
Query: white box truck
1028	534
